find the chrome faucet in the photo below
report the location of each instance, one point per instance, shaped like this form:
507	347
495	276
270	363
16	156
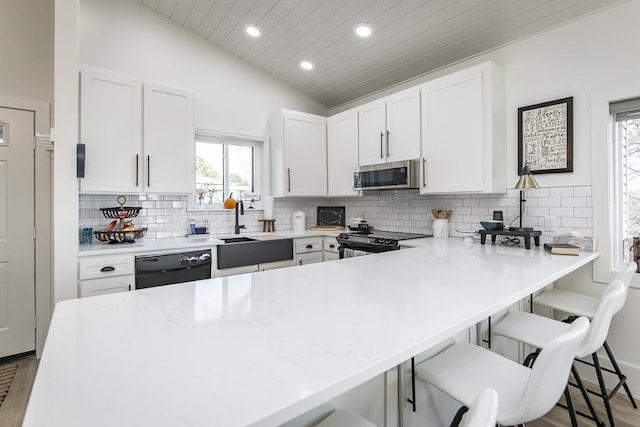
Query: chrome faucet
239	211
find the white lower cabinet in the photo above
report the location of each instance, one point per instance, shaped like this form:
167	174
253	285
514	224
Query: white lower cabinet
308	250
330	249
235	270
100	275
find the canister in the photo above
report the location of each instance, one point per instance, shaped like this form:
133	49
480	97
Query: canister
297	221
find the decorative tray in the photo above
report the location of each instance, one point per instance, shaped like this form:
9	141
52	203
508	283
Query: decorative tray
120	236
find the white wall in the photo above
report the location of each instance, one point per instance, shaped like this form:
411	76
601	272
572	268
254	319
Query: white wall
230	95
26	31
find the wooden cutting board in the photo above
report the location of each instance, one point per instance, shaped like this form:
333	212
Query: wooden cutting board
327	228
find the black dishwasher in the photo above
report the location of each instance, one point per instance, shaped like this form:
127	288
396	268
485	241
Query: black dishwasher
168	269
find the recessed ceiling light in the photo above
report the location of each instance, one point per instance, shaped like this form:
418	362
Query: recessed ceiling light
307	65
253	31
363	30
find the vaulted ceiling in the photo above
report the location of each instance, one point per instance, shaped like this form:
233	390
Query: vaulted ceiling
411	37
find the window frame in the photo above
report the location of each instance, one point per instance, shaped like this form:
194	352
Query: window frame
260	167
605	183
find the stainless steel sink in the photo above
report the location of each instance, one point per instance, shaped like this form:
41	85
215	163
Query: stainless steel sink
241	251
238	239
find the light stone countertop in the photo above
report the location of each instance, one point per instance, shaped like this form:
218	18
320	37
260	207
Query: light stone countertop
260	349
187	243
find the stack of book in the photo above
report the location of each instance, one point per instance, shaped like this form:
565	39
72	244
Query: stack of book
562	248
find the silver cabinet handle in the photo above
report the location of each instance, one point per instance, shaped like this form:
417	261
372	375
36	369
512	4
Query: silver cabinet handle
381	153
388	133
424	172
289	180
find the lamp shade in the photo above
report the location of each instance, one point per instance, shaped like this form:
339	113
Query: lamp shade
526	180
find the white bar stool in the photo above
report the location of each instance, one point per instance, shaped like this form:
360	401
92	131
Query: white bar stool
537	331
463	370
483	410
579	304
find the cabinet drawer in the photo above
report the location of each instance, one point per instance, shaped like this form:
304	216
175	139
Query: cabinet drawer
108	285
309	258
331	256
308	245
330	244
100	267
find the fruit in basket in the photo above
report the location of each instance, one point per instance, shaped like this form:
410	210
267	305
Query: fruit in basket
123	214
112	225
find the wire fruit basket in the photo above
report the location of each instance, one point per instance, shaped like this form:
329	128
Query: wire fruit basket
121	229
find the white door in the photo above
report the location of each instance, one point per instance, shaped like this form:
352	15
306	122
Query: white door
17	283
403	126
342	152
305	154
169	159
372	136
452	134
110	126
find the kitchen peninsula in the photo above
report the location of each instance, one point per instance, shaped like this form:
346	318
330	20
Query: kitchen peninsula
261	349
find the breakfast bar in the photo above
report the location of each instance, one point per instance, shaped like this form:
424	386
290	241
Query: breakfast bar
261	349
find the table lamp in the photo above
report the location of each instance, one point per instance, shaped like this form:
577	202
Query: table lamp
525	181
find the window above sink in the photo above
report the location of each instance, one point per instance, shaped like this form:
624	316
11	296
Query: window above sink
226	164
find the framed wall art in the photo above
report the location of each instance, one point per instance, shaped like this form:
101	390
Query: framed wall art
545	136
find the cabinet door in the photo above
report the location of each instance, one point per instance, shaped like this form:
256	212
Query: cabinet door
169	160
110	126
402	140
342	153
305	155
371	143
309	258
109	285
452	133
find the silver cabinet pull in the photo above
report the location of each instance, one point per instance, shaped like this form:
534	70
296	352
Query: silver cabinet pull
381	153
424	172
388	133
289	180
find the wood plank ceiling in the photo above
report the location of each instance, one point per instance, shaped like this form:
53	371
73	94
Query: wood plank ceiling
411	37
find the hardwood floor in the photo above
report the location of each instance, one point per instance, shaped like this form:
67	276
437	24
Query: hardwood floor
624	413
12	410
14	406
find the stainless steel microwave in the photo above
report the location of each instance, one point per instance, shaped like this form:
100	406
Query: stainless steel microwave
393	175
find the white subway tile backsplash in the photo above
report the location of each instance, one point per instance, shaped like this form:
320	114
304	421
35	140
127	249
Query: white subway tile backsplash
403	210
576	202
561	192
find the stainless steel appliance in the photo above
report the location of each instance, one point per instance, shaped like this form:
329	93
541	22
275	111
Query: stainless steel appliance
387	176
362	243
168	269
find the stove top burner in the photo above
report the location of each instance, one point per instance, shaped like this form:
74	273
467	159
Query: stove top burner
389	235
371	239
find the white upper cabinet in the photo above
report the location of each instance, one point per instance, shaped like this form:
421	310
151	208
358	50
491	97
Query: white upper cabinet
342	153
110	126
168	140
126	151
298	154
390	128
463	132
